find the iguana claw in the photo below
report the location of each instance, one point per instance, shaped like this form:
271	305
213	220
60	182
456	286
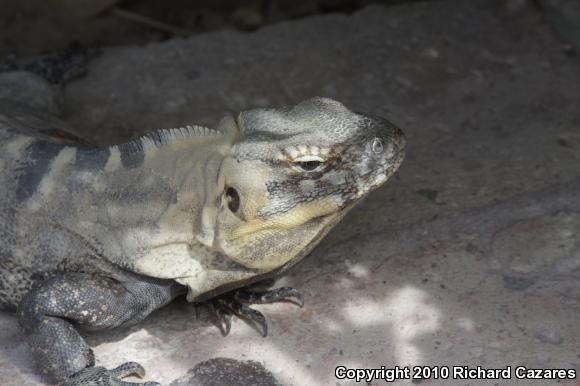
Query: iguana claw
100	376
235	302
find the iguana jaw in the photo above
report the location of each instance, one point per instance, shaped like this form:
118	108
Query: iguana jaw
264	274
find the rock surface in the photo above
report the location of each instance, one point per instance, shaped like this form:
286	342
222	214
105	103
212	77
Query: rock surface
469	256
564	16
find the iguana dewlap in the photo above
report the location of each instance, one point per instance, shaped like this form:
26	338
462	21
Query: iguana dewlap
99	238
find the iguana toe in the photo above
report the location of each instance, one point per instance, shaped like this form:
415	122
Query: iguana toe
222	314
235	302
282	294
100	376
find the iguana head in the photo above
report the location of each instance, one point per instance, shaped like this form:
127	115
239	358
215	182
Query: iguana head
294	173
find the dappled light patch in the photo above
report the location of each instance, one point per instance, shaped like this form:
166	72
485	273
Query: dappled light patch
408	314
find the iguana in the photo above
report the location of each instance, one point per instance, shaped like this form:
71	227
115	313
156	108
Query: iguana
98	238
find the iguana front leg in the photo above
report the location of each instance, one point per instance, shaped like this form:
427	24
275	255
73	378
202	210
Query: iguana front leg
49	312
236	303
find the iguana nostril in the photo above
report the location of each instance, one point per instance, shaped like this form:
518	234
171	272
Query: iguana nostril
377	146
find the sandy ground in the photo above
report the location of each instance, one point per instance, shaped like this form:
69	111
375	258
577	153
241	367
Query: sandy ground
470	256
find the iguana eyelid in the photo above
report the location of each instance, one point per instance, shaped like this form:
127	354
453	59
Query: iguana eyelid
308	163
308	158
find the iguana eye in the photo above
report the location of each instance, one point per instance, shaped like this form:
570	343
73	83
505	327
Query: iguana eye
233	199
308	163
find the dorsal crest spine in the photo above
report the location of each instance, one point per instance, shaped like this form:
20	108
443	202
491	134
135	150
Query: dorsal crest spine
163	137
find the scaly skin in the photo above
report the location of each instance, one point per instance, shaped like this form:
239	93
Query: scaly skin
99	238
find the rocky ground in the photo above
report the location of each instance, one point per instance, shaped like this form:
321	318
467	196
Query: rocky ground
470	256
31	27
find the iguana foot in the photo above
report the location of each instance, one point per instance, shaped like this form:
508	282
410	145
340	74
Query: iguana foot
236	302
100	376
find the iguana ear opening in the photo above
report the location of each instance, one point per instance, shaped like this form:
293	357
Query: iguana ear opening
232	199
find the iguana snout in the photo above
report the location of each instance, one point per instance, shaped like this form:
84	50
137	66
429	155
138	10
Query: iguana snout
380	156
